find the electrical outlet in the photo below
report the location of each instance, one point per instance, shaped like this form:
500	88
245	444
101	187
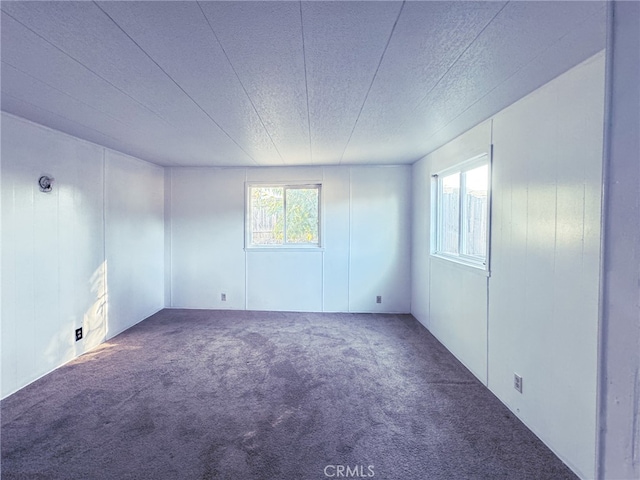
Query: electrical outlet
78	334
379	299
223	297
517	382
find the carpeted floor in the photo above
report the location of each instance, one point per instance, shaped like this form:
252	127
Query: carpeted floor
194	394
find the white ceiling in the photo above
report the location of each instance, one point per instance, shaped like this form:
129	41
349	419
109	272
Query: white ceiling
283	83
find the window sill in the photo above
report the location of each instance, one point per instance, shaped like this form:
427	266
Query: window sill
457	262
285	248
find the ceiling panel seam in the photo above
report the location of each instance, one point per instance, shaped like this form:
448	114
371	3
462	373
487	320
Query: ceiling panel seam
373	79
90	70
306	83
177	85
240	81
442	77
543	53
116	119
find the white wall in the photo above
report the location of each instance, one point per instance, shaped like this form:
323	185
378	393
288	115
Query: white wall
542	317
420	241
544	288
134	239
380	245
55	272
206	236
52	250
366	243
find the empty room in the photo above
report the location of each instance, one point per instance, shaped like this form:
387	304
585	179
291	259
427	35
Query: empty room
320	239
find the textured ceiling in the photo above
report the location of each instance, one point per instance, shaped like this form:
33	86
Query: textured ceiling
283	83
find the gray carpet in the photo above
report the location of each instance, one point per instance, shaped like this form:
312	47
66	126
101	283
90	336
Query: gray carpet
193	394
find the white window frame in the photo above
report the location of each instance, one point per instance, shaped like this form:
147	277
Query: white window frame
286	186
437	216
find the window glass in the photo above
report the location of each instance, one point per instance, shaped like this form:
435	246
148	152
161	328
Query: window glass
475	218
450	213
284	215
302	215
267	215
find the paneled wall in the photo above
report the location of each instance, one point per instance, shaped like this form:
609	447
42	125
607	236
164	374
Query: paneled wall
62	265
52	250
365	252
134	239
380	239
449	298
537	313
544	287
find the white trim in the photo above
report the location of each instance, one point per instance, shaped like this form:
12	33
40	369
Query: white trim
471	267
468	164
288	247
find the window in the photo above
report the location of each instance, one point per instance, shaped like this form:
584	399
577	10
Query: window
462	212
283	215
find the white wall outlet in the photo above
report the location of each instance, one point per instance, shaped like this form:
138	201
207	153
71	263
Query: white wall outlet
223	297
517	382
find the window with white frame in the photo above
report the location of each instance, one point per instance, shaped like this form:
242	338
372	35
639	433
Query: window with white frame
461	211
283	215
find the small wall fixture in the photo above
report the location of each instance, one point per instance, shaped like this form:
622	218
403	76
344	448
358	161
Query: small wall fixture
45	183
